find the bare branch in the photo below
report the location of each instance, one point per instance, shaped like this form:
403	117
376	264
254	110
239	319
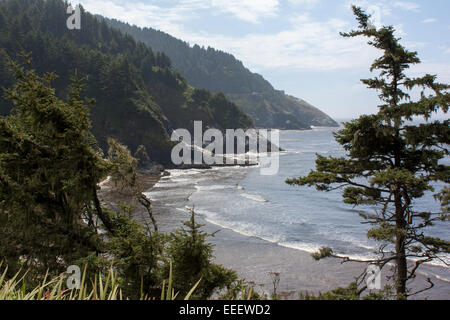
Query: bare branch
147	203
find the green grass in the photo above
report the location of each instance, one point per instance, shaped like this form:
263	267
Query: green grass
101	288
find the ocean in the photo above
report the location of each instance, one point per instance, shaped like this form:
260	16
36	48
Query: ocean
241	200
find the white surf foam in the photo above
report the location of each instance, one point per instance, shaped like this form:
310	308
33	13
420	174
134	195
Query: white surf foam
212	188
254	197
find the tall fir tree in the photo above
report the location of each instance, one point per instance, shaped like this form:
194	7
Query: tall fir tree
51	215
192	260
392	161
49	170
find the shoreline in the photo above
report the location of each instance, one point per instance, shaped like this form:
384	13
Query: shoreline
110	194
254	258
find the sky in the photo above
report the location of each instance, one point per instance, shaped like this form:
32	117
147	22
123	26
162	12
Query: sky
295	44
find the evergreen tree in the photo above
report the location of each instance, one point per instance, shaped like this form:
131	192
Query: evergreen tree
391	162
139	97
49	169
50	212
191	256
142	156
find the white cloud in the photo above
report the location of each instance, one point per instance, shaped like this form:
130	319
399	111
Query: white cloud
308	44
168	19
304	3
174	13
430	20
407	5
247	10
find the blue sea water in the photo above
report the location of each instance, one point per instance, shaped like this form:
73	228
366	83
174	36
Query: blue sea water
243	200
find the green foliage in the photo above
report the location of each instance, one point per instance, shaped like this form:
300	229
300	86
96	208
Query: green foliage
348	293
124	166
137	255
240	290
191	256
322	253
49	167
169	293
139	97
444	198
50	213
352	292
391	161
142	156
100	288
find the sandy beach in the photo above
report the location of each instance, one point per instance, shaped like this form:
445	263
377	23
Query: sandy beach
254	259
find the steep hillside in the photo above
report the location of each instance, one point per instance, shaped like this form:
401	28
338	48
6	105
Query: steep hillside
139	97
219	71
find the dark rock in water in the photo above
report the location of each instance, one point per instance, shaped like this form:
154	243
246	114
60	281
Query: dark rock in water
152	169
194	166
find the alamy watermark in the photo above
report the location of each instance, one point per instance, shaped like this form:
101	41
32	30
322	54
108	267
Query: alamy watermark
74	280
74	20
237	147
373	277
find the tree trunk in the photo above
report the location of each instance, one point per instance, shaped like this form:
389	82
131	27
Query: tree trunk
103	217
402	267
400	221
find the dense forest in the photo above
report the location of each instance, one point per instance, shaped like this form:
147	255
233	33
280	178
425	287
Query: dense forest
139	97
51	213
218	71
